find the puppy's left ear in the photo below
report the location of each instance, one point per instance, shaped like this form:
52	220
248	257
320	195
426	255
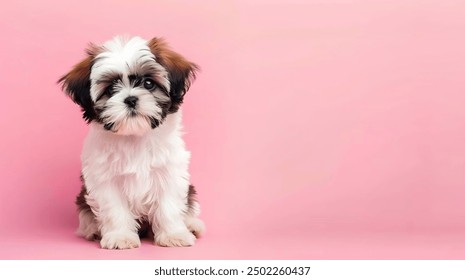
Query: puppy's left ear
76	84
181	71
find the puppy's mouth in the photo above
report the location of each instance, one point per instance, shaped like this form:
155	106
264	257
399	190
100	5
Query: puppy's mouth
132	116
133	113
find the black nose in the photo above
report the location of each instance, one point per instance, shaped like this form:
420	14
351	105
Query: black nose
131	101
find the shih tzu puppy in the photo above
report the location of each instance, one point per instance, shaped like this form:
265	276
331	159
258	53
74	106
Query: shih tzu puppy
134	161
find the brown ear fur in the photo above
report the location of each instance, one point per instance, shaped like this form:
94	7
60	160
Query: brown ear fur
181	72
76	84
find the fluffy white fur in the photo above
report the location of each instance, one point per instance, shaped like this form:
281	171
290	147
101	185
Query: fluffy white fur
134	172
133	177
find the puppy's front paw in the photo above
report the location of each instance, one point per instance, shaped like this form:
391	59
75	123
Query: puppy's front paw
177	239
120	240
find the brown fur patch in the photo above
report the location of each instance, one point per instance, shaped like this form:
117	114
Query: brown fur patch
181	71
76	83
191	198
81	198
80	72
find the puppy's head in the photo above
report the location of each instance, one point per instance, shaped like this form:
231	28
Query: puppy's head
129	85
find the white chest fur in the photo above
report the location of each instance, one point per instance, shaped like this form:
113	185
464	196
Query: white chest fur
140	168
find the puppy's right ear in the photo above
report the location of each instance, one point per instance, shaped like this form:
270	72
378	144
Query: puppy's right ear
76	84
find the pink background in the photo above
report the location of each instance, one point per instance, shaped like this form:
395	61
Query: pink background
323	129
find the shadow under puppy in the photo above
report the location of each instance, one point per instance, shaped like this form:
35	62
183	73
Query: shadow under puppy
134	160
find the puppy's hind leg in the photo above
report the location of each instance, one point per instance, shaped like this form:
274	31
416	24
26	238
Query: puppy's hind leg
193	223
88	227
168	220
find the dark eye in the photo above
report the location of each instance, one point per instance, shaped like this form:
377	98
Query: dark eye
109	91
149	84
